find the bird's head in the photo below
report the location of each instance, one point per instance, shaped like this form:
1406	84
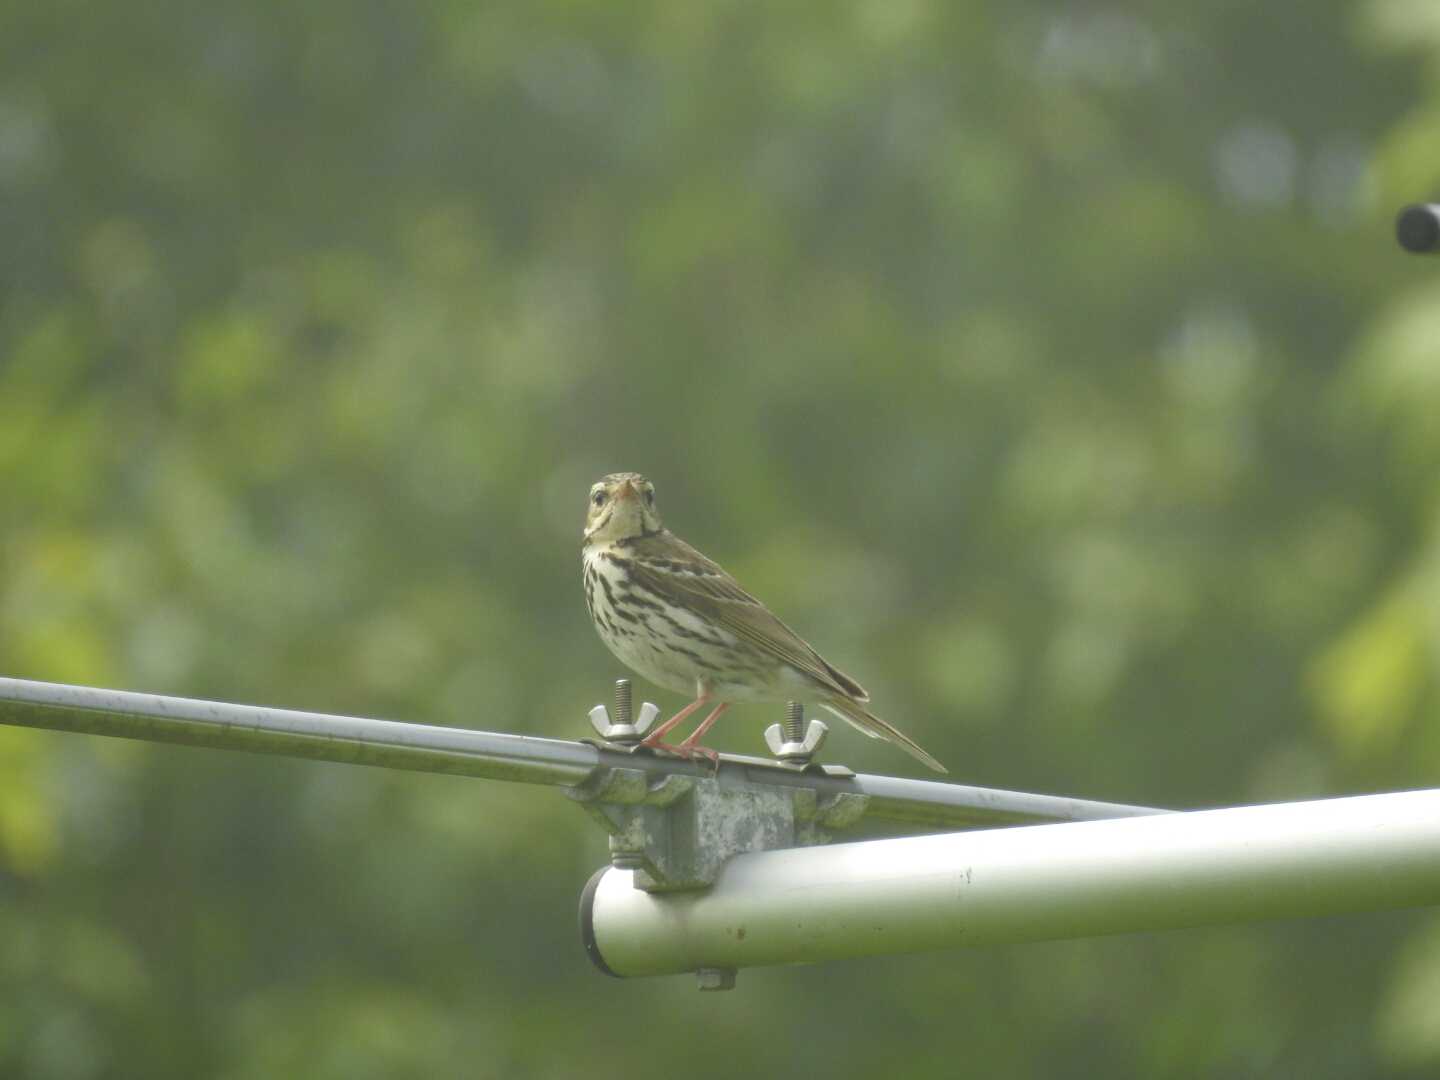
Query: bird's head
622	505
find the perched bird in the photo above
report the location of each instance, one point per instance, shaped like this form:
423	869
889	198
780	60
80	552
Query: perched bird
685	624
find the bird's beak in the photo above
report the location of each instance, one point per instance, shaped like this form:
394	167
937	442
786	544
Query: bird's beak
627	491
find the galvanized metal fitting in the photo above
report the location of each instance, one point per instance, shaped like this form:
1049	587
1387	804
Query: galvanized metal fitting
795	742
716	978
623	729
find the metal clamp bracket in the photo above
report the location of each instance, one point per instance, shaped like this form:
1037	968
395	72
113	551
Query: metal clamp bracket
676	832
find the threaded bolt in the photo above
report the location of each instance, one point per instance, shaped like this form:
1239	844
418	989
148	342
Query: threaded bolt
795	721
622	701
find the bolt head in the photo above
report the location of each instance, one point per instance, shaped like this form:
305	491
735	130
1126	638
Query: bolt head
716	978
600	720
648	712
634	732
815	733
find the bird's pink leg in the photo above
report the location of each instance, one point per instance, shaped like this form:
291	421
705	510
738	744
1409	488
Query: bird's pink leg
654	738
690	744
689	747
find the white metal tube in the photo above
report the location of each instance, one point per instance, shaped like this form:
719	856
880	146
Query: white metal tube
1027	884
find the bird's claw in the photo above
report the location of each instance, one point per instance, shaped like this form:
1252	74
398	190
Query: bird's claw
693	752
686	751
670	748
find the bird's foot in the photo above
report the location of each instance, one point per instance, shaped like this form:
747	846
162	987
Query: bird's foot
703	752
686	749
670	748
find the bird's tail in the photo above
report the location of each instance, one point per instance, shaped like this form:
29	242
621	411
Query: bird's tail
876	728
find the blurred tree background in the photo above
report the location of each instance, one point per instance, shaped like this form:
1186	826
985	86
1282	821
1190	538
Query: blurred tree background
1051	365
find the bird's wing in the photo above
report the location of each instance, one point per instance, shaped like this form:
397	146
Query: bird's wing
666	565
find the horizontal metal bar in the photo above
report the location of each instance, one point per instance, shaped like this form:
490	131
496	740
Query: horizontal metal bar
348	739
1043	882
930	804
919	804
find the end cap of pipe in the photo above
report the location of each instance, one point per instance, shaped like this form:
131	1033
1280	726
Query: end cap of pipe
1417	228
587	922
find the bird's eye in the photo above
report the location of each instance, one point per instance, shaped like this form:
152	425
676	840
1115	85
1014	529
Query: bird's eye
649	496
598	498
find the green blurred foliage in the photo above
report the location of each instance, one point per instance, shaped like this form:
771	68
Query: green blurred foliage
1051	366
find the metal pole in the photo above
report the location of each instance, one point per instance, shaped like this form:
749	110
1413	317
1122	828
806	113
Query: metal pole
1042	882
497	756
321	736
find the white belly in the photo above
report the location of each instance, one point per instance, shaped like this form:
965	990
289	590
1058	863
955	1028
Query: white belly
655	645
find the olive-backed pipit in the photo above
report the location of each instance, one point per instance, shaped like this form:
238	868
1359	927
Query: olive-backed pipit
685	624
